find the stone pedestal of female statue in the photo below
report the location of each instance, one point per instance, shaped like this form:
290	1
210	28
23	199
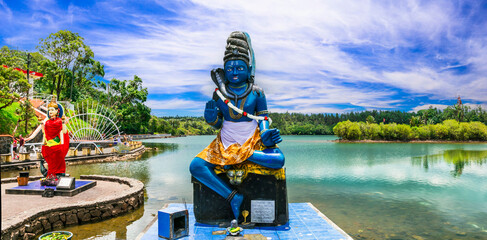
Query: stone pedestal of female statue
242	167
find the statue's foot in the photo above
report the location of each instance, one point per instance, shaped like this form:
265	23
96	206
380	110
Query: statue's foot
49	181
42	168
235	203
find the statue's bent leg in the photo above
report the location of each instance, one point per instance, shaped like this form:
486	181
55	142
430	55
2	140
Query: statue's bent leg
204	172
269	157
42	168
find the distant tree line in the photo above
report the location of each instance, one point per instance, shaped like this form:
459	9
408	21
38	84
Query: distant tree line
455	123
177	126
323	124
450	130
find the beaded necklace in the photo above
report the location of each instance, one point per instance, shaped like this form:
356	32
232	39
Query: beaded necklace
240	111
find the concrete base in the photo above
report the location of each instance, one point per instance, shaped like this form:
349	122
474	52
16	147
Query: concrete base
24	216
72	152
86	151
6	158
305	222
35	188
24	156
211	208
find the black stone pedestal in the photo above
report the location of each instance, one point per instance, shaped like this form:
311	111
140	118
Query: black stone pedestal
211	208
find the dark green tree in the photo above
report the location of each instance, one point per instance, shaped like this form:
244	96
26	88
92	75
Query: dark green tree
70	61
13	86
127	99
26	113
370	119
11	58
415	121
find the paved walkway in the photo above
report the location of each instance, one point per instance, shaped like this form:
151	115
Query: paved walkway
15	207
25	216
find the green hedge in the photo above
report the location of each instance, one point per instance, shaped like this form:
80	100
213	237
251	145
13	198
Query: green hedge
450	130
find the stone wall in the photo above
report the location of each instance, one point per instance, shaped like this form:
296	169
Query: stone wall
58	218
133	155
38	138
5	142
96	158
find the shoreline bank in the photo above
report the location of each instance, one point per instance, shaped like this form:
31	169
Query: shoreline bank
33	164
367	141
411	141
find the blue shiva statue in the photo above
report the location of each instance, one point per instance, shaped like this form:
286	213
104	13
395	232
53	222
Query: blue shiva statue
239	110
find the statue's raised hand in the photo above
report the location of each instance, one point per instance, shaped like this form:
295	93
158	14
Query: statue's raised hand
271	137
211	111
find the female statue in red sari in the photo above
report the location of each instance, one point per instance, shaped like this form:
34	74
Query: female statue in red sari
55	143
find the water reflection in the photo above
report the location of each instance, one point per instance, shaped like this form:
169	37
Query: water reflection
133	168
372	191
129	225
459	158
157	148
108	228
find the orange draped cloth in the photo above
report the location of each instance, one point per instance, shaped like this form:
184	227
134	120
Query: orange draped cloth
54	153
216	153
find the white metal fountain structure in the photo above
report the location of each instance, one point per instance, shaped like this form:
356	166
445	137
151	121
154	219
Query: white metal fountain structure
91	122
88	122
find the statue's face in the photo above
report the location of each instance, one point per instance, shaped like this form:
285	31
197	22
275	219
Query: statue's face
52	112
236	72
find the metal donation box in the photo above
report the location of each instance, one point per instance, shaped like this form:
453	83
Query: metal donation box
173	222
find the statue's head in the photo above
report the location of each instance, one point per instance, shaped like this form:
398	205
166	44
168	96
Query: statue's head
53	108
236	72
238	59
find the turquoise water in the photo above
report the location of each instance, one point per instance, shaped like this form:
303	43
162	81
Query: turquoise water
392	190
370	190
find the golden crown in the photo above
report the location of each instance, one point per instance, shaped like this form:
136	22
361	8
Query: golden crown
53	102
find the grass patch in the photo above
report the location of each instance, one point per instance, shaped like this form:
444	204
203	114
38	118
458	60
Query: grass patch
9	118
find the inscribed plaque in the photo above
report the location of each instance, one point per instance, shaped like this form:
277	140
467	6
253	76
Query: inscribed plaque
262	211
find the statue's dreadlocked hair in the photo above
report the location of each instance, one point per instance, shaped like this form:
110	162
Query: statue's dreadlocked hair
237	48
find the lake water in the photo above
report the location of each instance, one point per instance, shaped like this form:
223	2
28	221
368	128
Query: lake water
370	190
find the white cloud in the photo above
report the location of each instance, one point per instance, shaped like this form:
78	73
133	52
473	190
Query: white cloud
427	106
443	106
309	109
301	62
174	104
305	50
421	80
5	11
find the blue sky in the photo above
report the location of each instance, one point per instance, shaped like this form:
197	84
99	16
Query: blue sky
312	56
